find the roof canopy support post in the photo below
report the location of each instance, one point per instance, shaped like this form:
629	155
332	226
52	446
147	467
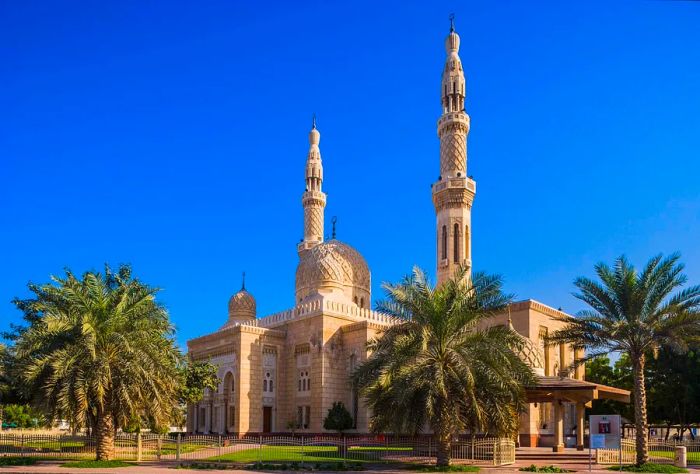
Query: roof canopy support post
580	425
558	427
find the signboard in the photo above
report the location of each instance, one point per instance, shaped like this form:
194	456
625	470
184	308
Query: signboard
597	441
609	426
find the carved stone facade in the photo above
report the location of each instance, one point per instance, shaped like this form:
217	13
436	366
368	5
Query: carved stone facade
284	371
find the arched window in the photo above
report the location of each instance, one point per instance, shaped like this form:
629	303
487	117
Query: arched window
362	302
265	385
355	300
444	242
354	395
466	242
455	242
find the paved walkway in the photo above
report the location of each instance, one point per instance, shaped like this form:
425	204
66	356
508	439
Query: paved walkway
54	467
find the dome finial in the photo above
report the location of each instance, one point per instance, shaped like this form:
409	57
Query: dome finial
243	282
313	122
452	22
333	221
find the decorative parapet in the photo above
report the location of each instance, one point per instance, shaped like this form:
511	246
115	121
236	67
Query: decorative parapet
540	307
323	306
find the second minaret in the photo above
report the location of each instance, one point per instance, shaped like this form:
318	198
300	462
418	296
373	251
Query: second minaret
454	191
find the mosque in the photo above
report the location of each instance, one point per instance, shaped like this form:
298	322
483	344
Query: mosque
283	372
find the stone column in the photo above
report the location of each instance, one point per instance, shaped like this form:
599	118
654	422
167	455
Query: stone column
558	427
580	425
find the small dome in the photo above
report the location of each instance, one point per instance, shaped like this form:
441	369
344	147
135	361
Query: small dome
333	265
531	354
241	306
314	136
452	42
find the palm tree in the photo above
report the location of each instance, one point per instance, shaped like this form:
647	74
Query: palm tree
441	366
99	351
634	313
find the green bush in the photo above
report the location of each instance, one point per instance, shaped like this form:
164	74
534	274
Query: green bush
533	468
96	464
16	461
338	419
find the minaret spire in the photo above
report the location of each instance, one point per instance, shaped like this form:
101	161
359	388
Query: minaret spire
453	193
313	199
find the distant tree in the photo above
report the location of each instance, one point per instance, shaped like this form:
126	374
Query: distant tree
439	367
23	416
338	419
635	313
196	376
673	382
600	370
98	351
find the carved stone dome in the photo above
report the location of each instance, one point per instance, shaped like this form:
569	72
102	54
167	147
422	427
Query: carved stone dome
333	267
532	355
241	306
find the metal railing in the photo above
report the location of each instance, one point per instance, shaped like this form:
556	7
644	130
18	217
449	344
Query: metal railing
306	449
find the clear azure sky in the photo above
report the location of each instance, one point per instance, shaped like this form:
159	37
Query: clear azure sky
172	135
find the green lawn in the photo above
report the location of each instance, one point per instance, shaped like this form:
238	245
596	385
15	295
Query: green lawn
283	454
171	448
310	454
649	467
693	456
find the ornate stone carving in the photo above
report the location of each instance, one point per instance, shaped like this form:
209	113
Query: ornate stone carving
241	306
453	153
531	354
332	263
313	222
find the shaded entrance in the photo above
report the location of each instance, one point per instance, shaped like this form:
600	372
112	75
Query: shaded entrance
557	390
267	419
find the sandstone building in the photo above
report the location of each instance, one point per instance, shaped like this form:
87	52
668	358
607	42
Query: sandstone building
286	370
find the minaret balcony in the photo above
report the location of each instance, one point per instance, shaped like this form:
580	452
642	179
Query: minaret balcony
456	182
313	197
453	117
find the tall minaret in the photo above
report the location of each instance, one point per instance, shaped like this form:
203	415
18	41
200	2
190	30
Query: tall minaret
454	192
313	199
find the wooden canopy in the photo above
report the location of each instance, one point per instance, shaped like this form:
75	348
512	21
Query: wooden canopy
551	389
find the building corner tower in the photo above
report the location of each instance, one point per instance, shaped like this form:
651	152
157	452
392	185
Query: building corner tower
313	199
454	191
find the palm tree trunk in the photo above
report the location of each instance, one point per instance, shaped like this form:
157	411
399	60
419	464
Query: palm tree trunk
105	436
640	410
444	443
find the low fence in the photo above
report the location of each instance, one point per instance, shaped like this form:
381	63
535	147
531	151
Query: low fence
262	449
660	452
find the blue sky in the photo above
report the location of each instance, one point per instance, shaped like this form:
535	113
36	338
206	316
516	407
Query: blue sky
173	135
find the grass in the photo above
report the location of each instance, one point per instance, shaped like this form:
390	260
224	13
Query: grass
648	467
98	464
282	466
533	468
16	461
693	456
309	454
283	454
